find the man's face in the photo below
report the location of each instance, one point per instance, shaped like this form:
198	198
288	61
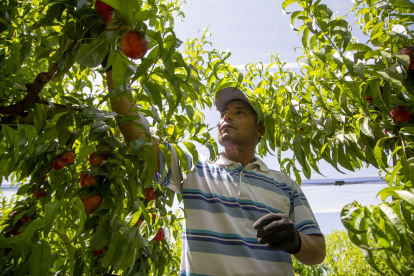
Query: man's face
237	126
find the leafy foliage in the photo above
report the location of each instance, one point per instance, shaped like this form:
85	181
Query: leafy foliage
337	109
342	258
349	89
45	114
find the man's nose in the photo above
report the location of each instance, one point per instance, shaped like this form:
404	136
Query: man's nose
227	117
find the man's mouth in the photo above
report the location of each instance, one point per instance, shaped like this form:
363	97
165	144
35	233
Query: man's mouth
226	126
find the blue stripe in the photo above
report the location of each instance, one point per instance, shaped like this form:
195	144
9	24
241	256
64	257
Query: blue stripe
225	242
308	227
299	199
196	199
236	249
208	233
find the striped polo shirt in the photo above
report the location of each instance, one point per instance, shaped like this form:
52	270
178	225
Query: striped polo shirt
222	200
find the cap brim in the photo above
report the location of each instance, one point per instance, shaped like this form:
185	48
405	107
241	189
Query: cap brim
229	94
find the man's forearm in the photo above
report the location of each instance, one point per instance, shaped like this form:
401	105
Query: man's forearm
313	249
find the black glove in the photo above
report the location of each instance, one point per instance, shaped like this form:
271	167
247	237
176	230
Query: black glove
277	231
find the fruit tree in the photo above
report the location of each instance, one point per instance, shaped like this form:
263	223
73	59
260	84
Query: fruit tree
82	207
351	105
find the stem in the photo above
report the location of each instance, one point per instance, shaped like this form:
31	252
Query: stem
33	90
389	20
343	57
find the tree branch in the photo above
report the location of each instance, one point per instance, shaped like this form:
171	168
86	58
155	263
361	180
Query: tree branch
33	90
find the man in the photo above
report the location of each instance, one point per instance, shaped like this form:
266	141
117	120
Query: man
241	217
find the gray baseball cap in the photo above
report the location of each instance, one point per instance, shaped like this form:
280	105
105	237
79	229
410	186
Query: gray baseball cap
229	94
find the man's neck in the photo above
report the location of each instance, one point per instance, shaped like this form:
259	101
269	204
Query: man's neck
239	155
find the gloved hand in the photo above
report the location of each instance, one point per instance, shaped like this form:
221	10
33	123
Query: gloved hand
277	231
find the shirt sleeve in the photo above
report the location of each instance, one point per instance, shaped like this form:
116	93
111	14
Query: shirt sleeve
301	213
172	177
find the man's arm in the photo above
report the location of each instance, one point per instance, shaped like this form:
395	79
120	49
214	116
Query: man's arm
277	231
130	131
313	249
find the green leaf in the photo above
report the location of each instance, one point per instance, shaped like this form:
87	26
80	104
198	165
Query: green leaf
374	86
100	126
41	259
70	250
137	144
127	258
365	128
408	213
406	196
12	139
298	151
377	30
146	63
78	205
114	251
96	114
144	15
371	260
167	155
102	236
343	159
92	55
64	127
23	189
150	165
55	11
404	59
153	92
394	222
404	6
358	47
379	153
182	158
377	229
287	3
118	72
193	150
81	3
350	214
128	8
144	122
51	211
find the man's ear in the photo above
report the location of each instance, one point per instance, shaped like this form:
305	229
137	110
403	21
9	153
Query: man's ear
261	130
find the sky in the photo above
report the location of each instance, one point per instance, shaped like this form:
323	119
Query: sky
252	31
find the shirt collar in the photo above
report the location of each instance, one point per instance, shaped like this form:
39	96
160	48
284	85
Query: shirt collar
224	161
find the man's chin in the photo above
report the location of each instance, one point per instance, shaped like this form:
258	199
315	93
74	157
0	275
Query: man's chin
226	141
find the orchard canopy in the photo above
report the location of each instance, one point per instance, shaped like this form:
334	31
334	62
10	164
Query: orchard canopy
87	201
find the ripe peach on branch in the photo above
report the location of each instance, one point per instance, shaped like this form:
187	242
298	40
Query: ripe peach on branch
103	8
97	158
89	179
133	45
408	50
400	113
91	203
67	157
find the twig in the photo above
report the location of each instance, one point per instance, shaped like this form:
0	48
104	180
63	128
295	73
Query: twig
33	90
